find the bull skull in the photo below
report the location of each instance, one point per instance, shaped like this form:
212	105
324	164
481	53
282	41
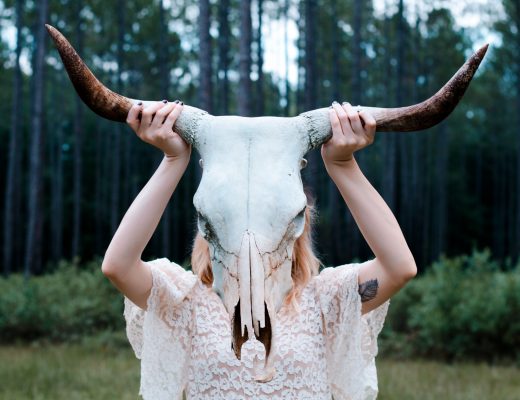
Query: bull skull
250	201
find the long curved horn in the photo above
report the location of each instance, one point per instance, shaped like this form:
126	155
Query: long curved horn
107	103
404	119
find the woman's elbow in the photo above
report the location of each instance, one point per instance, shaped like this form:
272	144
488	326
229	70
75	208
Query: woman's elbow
408	272
108	269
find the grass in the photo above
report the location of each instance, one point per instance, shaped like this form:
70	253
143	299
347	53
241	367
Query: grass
94	370
429	380
66	371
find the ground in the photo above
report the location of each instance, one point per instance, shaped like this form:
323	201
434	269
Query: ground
94	370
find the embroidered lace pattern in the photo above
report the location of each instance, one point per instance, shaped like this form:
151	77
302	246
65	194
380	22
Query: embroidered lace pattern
325	348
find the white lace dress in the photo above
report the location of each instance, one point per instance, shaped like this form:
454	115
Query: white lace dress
325	350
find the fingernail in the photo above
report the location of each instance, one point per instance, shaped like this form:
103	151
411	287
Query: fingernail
344	103
348	104
139	103
334	102
165	101
176	101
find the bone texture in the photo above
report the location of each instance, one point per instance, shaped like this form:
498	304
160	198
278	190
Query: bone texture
244	282
250	193
405	119
257	286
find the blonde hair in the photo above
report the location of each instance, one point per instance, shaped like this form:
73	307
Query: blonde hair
305	264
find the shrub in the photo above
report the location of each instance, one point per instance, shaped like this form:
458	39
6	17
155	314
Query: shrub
64	305
464	307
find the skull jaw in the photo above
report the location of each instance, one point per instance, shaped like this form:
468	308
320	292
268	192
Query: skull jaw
277	286
264	336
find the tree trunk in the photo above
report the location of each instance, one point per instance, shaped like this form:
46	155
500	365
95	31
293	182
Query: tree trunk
357	98
78	144
260	63
223	57
57	182
166	219
205	89
33	242
311	93
12	190
310	55
99	205
498	222
244	85
516	251
357	94
416	187
512	198
287	109
335	240
426	216
389	140
116	146
300	87
404	163
440	204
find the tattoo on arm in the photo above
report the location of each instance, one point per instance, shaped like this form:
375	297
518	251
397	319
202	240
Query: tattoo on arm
368	290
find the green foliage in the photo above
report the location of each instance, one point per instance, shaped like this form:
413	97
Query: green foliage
464	307
67	304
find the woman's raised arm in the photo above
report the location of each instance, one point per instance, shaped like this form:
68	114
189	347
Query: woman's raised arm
393	264
122	263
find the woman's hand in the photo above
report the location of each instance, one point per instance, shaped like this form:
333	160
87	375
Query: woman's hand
154	124
351	131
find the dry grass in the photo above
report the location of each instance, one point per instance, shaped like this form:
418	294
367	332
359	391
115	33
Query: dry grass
428	380
99	372
70	372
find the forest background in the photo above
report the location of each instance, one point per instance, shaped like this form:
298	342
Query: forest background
69	176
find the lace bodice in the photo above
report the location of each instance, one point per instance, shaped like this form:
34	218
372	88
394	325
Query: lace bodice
326	348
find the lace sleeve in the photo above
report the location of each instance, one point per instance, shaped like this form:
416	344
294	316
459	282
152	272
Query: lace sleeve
170	285
351	337
160	336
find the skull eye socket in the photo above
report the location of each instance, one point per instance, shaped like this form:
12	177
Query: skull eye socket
299	222
205	226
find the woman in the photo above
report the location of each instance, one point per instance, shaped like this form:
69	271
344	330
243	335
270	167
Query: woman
177	325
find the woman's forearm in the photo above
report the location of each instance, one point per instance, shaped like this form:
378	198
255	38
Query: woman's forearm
143	216
374	218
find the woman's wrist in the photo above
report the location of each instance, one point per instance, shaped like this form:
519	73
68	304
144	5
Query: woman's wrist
341	166
180	160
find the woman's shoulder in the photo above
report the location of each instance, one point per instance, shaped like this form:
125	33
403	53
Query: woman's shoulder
177	282
332	278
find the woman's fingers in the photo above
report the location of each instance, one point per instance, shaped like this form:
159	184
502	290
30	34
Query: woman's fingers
132	118
160	116
173	115
370	125
353	117
148	113
343	118
336	126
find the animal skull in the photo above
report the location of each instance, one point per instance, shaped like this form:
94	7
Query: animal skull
251	206
250	201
